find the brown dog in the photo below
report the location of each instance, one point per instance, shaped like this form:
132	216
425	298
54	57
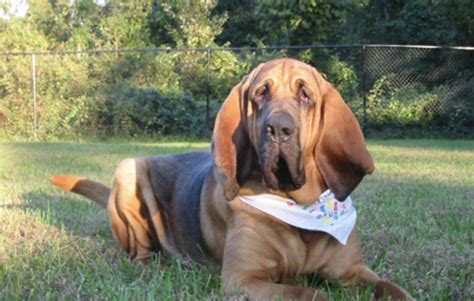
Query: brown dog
283	130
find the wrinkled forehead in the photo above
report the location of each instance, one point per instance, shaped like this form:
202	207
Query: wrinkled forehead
285	72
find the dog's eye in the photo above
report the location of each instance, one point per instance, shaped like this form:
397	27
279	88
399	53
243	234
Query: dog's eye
303	96
261	95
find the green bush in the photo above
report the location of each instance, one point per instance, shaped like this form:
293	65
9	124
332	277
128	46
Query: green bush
410	104
147	111
414	106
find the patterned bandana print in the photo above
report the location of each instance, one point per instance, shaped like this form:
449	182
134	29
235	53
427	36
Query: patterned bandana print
326	214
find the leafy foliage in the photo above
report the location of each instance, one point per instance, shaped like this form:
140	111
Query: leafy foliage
137	112
300	22
413	22
415	106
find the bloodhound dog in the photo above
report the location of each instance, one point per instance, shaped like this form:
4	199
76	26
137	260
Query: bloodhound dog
283	130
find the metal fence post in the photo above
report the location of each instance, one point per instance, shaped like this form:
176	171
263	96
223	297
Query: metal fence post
35	111
208	88
364	96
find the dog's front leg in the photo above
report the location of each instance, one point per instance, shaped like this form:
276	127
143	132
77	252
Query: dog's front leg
346	264
253	266
362	275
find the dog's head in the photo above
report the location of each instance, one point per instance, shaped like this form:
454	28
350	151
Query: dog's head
296	126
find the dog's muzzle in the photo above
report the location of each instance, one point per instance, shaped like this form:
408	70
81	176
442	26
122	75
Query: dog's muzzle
280	153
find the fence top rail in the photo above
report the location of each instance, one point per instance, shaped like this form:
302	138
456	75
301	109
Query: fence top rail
342	46
469	48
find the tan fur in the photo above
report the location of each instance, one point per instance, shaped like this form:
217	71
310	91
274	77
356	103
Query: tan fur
80	185
260	256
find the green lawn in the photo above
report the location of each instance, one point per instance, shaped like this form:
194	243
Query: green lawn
416	220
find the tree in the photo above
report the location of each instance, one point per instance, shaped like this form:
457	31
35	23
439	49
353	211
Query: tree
239	30
124	24
428	22
302	22
185	24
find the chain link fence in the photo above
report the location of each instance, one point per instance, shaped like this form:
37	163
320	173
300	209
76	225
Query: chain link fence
420	90
395	91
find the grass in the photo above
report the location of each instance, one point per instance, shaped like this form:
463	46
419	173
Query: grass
416	222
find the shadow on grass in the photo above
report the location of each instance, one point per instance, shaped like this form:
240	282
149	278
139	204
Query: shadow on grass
75	216
77	257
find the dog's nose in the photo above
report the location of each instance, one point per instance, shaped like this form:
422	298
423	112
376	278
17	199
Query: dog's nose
280	127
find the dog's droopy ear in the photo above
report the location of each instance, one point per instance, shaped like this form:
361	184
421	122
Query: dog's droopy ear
227	142
232	151
341	153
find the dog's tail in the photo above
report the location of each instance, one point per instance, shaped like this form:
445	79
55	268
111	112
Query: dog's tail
90	189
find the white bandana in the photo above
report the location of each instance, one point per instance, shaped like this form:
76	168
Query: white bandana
326	214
